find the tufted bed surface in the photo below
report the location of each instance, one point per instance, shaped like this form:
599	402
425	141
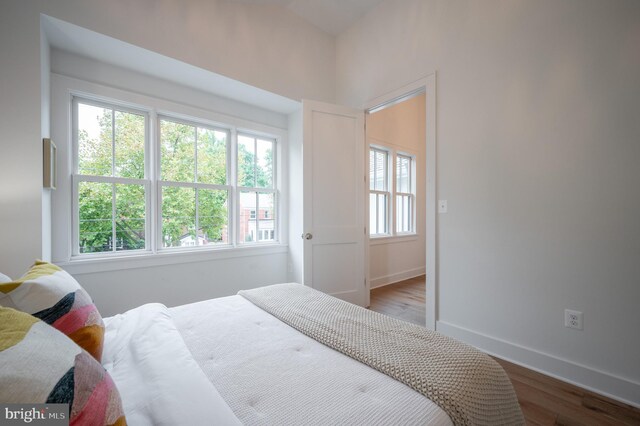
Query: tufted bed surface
269	373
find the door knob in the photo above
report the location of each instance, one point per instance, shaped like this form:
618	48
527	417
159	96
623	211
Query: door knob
306	236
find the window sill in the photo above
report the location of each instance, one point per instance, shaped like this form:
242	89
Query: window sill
88	265
392	239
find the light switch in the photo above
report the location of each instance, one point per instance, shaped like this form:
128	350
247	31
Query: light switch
442	206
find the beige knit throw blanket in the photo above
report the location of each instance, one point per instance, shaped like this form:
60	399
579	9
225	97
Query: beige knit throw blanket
466	383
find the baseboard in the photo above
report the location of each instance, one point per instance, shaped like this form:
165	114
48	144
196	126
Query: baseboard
399	276
606	384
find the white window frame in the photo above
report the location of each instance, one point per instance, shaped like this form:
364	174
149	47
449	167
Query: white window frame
77	178
411	194
195	184
257	190
393	194
63	90
386	192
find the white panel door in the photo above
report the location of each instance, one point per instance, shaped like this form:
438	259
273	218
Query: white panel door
333	201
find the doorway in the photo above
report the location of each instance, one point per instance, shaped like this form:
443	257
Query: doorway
395	138
401	202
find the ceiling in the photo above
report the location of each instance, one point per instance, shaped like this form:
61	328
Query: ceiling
332	16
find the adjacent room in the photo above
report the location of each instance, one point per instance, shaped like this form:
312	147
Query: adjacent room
320	212
396	140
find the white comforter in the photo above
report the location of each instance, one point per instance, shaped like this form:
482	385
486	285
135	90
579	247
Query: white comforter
159	381
225	361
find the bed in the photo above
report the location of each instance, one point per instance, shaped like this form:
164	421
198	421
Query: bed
282	354
229	361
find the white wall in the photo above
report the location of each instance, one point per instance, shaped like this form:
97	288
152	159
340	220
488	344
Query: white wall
21	145
258	45
83	68
401	127
116	291
45	124
538	130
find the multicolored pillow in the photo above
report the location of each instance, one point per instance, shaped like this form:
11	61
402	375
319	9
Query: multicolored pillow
52	295
38	364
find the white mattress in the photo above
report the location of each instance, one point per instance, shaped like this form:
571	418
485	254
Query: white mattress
269	373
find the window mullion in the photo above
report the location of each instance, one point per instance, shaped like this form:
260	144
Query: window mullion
109	179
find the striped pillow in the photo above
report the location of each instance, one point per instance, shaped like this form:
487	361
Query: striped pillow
38	364
52	295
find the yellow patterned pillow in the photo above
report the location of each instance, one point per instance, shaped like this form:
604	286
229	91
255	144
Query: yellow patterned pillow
40	365
52	295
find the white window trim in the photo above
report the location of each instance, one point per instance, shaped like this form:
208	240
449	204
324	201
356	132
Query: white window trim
393	236
63	90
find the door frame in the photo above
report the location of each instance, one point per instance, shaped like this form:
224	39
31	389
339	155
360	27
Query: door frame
425	85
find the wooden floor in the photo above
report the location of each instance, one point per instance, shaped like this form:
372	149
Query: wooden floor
543	399
404	300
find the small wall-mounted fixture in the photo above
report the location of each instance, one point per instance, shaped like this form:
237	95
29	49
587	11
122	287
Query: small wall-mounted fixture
49	166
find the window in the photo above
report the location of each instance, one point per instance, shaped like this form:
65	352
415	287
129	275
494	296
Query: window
111	184
183	178
378	191
194	190
404	194
381	214
256	188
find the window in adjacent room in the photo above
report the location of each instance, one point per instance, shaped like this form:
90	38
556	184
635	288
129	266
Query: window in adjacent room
404	194
391	177
379	195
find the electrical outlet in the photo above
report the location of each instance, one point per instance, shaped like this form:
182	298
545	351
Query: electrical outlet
573	319
442	206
